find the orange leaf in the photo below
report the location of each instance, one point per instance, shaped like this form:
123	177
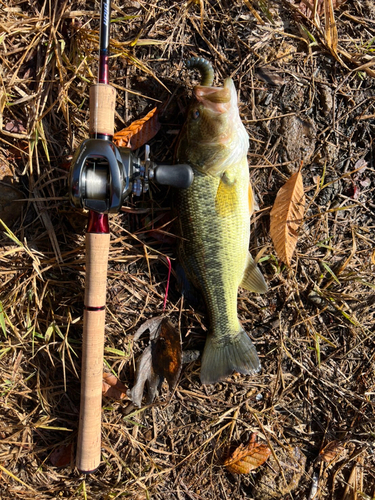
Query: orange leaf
139	132
166	353
247	458
286	217
112	387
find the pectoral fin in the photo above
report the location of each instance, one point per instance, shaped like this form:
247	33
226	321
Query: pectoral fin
253	279
226	201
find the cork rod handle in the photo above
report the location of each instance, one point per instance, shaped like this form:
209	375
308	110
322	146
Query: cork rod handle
89	433
102	109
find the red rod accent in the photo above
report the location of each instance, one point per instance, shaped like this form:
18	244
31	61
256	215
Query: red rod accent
94	309
98	223
103	69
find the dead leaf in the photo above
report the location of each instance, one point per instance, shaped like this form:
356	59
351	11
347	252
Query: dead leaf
61	456
112	387
247	458
166	353
286	217
160	360
270	75
145	373
139	132
331	451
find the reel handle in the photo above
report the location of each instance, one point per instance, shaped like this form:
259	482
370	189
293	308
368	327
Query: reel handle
178	176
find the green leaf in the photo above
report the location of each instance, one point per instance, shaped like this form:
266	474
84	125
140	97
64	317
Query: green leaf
2	320
124	18
10	235
317	349
329	270
306	32
49	332
112	350
4	351
62	45
346	315
264	8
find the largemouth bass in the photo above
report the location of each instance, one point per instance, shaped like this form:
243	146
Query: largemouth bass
214	225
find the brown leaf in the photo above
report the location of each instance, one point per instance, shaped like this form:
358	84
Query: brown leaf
247	458
160	360
139	132
112	387
61	456
270	75
331	451
286	217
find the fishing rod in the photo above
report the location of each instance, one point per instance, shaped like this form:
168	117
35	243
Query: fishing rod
101	127
102	177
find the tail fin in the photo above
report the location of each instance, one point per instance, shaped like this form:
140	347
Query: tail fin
221	359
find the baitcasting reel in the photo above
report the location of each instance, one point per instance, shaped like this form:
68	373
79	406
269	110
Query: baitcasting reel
102	176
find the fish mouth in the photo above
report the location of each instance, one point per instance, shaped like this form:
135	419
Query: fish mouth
216	99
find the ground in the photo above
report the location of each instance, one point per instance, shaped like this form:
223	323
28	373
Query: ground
305	95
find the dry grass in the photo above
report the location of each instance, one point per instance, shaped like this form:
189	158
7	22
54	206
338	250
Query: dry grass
304	95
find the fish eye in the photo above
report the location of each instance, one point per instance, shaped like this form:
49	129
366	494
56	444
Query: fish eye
196	114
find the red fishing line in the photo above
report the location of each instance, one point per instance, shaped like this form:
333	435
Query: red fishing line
168	280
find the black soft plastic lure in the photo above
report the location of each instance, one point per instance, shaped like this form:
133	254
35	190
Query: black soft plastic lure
205	69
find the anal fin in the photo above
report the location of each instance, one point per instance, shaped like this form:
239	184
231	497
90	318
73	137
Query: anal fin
253	278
